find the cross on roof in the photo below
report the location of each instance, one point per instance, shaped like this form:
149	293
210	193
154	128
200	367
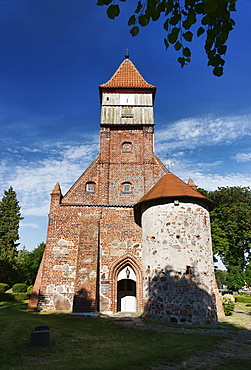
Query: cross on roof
127	53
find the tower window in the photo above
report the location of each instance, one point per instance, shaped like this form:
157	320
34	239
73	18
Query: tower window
127	147
90	187
126	112
126	187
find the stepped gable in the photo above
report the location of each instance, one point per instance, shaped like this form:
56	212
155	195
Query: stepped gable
127	77
170	187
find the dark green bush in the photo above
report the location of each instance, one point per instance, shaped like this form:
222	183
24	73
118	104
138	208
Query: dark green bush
9	297
30	288
228	308
3	287
19	288
242	299
21	296
6	297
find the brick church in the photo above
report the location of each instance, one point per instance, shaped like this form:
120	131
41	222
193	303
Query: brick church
95	259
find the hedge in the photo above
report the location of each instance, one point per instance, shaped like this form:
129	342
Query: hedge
19	288
242	299
10	297
3	287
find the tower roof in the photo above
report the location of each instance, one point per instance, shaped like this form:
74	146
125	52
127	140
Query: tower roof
127	77
170	187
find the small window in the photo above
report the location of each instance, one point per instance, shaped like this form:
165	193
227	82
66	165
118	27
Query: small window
90	187
127	147
126	187
126	112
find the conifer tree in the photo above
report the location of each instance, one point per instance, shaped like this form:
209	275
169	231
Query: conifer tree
10	217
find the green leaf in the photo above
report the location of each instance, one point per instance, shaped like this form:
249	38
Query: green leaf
144	20
178	46
188	36
182	61
222	49
200	31
139	7
166	43
186	52
134	31
155	15
199	9
222	38
205	20
173	35
104	2
175	19
218	71
113	11
132	20
166	24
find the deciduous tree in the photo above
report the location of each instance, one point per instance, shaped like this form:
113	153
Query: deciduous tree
28	263
231	225
182	19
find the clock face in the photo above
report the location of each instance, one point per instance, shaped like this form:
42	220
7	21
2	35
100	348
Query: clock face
127	99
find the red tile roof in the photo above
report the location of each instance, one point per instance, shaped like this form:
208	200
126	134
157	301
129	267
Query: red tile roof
127	76
170	186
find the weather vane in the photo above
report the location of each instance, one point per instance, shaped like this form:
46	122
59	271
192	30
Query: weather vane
168	162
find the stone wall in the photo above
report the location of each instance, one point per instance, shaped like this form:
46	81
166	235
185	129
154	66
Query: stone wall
178	271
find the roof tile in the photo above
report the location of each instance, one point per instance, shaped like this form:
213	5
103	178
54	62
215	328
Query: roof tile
172	186
127	76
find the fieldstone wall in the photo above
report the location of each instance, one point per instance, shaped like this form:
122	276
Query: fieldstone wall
178	271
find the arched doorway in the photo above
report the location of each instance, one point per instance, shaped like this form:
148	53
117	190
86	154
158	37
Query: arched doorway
126	290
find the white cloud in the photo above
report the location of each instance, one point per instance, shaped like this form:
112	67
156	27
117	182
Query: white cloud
34	180
202	131
243	157
32	225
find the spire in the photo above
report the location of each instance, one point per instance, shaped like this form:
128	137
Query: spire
127	77
57	189
192	183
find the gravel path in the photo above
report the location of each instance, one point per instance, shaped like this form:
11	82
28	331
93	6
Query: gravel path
237	346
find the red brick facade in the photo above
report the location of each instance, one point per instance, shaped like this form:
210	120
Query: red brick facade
92	235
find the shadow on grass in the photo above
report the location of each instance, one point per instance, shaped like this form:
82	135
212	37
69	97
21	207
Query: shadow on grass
95	343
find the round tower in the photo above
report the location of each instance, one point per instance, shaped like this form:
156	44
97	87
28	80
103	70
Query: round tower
178	271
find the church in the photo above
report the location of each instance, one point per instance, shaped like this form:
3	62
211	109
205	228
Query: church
128	236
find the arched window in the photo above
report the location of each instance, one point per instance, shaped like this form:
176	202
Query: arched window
90	187
126	187
127	147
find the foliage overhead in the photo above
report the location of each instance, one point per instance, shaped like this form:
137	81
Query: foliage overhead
182	19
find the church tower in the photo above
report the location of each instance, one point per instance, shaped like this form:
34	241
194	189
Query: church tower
92	260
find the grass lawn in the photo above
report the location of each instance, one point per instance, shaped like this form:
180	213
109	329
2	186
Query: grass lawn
90	343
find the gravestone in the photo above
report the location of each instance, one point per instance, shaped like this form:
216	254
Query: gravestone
40	336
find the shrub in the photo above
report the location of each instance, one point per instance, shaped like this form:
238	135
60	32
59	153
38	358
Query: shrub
243	299
10	297
30	288
3	287
6	297
228	304
20	296
19	288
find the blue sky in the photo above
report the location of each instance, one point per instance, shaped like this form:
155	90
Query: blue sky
54	54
